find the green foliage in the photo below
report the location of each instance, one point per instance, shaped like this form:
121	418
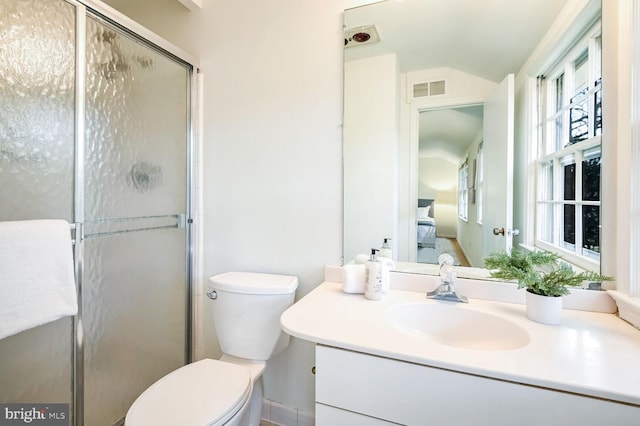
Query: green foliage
541	272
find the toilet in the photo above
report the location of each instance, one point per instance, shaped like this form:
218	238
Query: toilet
246	313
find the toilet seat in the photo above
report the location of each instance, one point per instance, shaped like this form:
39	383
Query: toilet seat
206	392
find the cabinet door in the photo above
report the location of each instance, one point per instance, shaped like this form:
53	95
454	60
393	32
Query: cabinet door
412	394
327	415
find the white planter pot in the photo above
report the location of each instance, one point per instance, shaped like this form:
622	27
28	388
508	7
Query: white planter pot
544	309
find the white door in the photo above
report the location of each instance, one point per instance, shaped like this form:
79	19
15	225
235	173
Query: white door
497	215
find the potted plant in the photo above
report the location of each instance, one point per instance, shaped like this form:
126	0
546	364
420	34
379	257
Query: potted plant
545	277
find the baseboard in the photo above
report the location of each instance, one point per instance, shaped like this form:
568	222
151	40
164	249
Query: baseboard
282	415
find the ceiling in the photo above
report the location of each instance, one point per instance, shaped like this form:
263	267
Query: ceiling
486	38
447	133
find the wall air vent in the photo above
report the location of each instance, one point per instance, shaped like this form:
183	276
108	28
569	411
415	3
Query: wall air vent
431	88
361	35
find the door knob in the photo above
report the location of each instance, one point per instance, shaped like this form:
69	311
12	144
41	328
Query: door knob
510	232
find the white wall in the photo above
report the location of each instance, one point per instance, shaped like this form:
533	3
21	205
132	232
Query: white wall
370	153
272	153
438	180
271	92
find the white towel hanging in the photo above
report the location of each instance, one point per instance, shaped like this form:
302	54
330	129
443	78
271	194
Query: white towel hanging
37	283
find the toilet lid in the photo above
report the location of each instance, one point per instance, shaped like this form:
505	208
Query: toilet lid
206	392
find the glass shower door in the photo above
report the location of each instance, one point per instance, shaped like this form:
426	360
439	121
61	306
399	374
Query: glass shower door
135	278
37	92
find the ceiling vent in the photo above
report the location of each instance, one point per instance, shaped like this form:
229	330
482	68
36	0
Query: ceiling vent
361	35
430	88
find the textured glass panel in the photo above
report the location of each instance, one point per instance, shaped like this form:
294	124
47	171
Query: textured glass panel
134	317
135	168
37	87
35	365
136	128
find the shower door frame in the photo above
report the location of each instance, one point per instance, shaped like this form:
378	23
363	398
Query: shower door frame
103	12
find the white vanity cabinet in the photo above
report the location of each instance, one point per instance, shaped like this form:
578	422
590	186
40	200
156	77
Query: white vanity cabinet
357	389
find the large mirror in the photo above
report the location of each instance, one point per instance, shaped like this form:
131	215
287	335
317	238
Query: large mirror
431	110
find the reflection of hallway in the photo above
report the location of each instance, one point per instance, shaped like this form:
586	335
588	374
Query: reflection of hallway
443	245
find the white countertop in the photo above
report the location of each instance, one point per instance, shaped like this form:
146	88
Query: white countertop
594	354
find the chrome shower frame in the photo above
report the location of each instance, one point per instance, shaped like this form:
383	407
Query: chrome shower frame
107	14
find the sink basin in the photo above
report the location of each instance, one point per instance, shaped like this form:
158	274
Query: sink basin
457	326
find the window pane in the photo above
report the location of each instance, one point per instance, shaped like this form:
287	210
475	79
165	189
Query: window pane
546	181
597	60
591	228
569	225
559	98
579	124
597	119
581	72
545	223
480	184
559	143
591	175
569	184
559	92
569	178
463	191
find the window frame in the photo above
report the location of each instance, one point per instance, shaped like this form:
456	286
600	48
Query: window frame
479	183
463	191
553	148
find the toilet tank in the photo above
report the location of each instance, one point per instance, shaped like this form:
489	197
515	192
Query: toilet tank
247	310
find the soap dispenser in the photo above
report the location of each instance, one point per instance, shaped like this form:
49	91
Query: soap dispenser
385	250
373	286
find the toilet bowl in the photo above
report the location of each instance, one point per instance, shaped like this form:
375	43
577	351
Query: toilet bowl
206	392
246	310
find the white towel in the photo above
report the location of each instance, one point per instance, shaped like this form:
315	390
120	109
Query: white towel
37	283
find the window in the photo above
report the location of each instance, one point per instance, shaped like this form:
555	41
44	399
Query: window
463	191
569	155
479	183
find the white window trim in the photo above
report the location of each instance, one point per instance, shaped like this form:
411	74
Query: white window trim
463	190
621	72
564	65
479	184
570	256
634	159
620	185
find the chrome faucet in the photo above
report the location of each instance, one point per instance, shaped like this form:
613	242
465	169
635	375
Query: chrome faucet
446	290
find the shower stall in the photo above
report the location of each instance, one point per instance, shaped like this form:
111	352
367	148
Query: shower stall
96	128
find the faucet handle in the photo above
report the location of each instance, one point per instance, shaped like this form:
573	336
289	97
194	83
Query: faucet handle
447	273
445	259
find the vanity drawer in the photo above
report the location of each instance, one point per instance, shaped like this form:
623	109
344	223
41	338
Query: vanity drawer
412	394
327	415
